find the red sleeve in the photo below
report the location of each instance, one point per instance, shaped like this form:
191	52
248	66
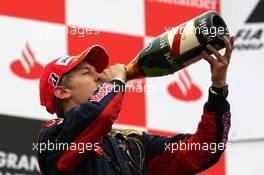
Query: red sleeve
198	151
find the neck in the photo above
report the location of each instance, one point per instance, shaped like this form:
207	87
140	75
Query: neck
68	105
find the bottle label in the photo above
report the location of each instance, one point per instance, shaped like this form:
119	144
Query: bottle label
156	58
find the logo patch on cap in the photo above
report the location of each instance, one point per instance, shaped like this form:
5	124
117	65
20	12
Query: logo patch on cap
54	79
64	60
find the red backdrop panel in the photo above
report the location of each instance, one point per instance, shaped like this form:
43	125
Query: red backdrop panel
161	16
44	10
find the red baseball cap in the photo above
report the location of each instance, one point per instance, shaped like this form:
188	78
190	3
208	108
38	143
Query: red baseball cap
53	72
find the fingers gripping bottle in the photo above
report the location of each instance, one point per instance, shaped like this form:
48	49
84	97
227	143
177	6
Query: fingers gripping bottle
179	47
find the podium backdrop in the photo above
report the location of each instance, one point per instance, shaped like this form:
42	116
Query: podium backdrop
35	32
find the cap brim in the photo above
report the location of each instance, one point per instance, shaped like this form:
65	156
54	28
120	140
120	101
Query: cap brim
96	55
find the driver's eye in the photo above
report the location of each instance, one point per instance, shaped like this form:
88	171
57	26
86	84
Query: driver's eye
86	72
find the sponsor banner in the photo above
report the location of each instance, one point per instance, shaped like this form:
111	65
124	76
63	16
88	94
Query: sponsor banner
121	49
246	69
121	16
18	136
172	103
27	47
44	10
163	15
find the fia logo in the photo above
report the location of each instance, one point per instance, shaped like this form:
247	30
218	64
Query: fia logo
251	37
27	67
185	89
257	15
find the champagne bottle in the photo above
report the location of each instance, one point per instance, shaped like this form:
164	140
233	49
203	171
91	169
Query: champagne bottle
179	47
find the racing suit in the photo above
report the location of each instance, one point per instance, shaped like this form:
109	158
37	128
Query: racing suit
127	152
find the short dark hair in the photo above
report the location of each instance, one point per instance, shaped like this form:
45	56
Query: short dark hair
59	108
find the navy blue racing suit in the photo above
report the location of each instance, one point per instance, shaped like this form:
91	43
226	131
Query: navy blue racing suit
127	152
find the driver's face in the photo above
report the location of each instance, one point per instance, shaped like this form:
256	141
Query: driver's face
83	82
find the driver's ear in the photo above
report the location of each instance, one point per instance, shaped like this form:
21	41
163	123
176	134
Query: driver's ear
62	93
